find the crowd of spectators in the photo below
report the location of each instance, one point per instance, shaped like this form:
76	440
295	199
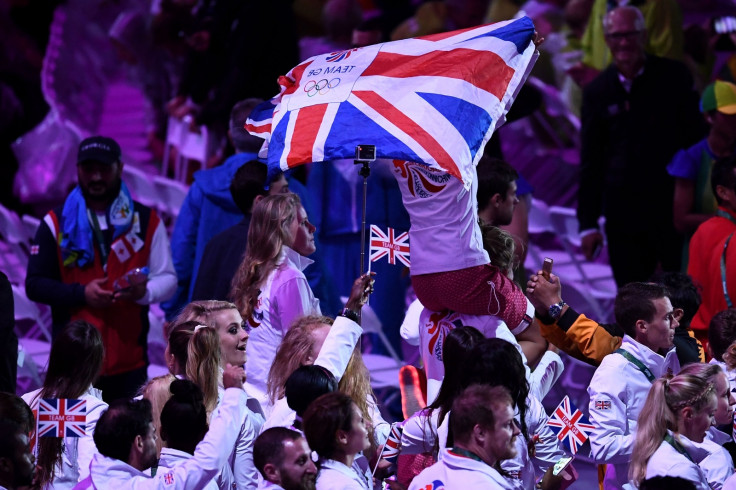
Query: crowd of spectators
267	386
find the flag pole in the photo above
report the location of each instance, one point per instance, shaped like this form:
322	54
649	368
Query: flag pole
364	155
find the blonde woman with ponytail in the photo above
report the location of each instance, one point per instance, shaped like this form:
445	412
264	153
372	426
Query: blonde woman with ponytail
203	364
675	417
217	340
269	287
718	466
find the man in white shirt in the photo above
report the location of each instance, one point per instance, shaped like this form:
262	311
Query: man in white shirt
16	460
126	439
482	422
284	459
621	383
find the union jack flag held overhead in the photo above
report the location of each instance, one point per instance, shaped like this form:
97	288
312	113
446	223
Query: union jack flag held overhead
434	99
570	425
61	417
389	245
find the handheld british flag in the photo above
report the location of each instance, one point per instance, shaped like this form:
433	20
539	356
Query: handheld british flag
61	417
391	245
434	100
392	448
570	425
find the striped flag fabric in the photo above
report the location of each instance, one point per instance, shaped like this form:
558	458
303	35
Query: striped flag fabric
435	99
392	448
61	417
570	425
389	244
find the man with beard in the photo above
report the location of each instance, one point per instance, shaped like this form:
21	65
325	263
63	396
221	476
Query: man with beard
102	257
16	461
284	459
483	426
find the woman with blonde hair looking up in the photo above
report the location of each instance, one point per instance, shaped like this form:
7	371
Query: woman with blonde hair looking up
269	287
675	417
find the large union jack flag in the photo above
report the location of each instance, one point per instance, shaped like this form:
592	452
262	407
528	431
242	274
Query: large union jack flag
434	100
570	425
390	245
62	417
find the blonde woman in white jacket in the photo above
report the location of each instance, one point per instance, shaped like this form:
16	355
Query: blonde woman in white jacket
673	422
74	364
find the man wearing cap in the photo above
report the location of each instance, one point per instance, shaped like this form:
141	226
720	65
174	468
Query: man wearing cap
694	200
635	115
102	257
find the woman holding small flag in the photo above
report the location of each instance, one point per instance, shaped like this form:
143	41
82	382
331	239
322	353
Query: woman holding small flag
675	417
63	452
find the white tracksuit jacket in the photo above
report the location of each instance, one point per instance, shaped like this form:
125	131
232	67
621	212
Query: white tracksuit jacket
667	461
421	432
78	451
617	394
454	472
194	474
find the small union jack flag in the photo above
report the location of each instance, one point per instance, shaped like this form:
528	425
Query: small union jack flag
733	433
603	404
393	444
388	244
62	417
169	478
570	425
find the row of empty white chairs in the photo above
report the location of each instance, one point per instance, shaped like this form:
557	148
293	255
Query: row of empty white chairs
158	192
554	233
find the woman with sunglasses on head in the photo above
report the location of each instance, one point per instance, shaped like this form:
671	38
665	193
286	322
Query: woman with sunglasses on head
269	287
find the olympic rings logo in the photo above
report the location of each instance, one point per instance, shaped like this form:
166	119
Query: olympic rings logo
321	87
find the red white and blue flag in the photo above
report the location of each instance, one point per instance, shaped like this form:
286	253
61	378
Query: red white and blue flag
391	245
434	99
62	417
392	448
570	425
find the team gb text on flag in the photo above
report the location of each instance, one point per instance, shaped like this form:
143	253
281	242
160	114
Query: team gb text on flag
434	100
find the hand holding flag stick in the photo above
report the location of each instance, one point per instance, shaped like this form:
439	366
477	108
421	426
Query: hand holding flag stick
391	450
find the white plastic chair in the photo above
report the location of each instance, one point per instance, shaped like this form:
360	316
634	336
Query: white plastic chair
11	227
189	145
38	315
171	194
592	274
174	130
141	186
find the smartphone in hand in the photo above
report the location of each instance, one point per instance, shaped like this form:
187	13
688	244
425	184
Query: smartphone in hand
547	268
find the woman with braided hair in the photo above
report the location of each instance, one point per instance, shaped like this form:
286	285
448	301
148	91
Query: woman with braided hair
718	466
677	413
